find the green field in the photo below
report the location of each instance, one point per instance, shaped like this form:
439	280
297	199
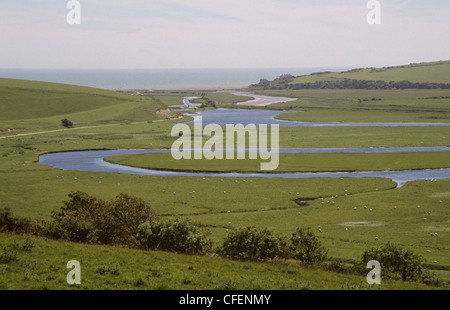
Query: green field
354	214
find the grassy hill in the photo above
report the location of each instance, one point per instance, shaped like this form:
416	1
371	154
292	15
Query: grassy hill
431	72
31	105
43	267
432	75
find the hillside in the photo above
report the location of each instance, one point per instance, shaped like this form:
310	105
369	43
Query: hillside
32	105
429	75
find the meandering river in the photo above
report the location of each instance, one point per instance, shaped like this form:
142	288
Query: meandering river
93	161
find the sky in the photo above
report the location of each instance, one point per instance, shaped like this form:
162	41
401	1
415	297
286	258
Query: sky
163	34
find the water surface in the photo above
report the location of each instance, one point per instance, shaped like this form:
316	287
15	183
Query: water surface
93	161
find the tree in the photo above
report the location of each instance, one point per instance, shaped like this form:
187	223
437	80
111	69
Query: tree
84	218
250	244
306	247
396	261
66	123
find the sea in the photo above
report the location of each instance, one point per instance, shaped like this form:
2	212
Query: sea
122	79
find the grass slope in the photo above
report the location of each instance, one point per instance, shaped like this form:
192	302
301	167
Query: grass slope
113	268
30	105
432	72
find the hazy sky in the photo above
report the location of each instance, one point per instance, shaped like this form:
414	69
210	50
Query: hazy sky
221	33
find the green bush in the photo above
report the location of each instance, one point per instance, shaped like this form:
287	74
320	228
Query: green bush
306	247
129	213
26	246
66	123
8	256
250	244
88	219
84	219
11	223
176	235
396	262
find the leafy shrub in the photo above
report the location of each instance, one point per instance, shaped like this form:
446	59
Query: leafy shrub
129	213
88	219
11	223
8	256
66	123
176	235
306	247
26	246
250	244
396	262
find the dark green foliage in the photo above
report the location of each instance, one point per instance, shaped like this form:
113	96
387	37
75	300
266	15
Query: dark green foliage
281	82
87	219
8	256
125	220
129	212
12	223
306	247
66	123
347	84
176	235
26	246
396	262
250	244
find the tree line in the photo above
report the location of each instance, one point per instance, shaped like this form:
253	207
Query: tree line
286	82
